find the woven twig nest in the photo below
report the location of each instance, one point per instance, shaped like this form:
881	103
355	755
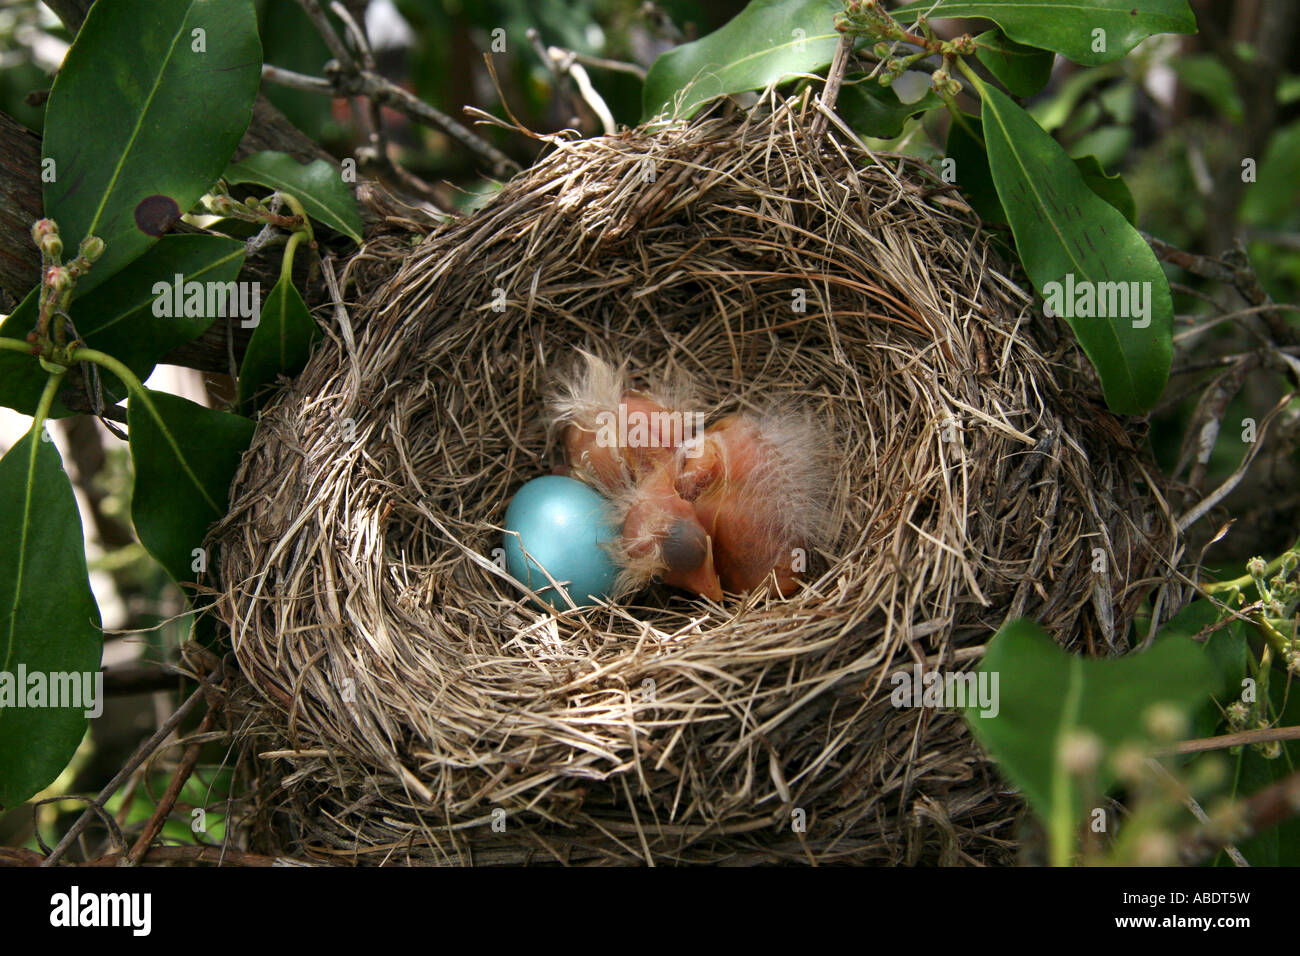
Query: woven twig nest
405	702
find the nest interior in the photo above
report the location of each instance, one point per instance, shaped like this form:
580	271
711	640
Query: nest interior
401	700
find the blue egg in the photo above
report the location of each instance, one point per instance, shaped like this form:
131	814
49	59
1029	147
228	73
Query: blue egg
561	523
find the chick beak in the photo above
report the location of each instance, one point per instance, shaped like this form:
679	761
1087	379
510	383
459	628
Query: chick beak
702	580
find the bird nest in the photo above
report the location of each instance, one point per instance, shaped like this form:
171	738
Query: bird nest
403	701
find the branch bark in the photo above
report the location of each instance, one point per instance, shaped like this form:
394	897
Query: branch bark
20	206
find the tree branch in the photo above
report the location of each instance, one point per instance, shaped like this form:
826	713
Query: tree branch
20	206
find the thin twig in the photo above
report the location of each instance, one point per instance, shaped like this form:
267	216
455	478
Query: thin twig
1208	324
1235	269
1238	739
1196	810
602	63
75	399
164	808
357	32
561	64
1193	515
385	93
834	77
18	856
553	67
141	754
1203	430
323	26
1246	281
374	155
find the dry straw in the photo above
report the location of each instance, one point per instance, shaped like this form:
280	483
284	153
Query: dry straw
403	701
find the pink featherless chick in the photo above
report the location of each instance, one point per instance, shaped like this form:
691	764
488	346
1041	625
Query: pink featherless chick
760	487
626	443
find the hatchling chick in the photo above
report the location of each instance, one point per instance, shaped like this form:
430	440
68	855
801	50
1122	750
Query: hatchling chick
662	538
760	486
612	433
628	444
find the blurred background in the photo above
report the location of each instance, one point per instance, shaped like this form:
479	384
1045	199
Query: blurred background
1175	118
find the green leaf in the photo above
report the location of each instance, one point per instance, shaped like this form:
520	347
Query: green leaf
317	185
1223	641
1066	236
874	110
21	376
1068	27
1113	189
1045	694
1288	89
1024	70
118	317
140	124
1207	75
976	181
1108	143
49	622
185	456
1274	198
971	168
134	317
280	344
768	40
1054	110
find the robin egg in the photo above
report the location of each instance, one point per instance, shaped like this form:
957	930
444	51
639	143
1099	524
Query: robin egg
562	524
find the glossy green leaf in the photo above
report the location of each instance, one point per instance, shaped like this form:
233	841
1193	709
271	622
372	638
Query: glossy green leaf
49	622
768	40
125	318
1091	32
1113	189
1024	70
971	168
185	456
290	41
317	185
1082	254
1045	694
874	110
141	121
280	344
